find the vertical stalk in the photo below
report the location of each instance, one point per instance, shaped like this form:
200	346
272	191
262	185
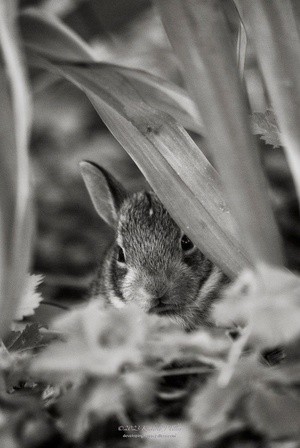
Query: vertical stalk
273	28
199	34
7	185
15	155
241	49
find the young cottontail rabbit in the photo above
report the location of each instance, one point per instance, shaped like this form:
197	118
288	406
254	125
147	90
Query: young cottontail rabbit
151	263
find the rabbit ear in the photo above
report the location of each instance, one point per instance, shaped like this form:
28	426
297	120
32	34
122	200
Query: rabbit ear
106	192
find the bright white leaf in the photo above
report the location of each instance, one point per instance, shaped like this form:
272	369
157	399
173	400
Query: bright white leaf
99	342
268	301
31	298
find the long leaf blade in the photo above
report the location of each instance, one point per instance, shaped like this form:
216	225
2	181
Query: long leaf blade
46	34
175	167
199	34
49	37
162	94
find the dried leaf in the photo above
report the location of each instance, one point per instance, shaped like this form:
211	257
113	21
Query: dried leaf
28	339
265	125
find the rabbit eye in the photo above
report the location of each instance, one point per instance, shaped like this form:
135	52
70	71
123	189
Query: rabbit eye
186	243
120	255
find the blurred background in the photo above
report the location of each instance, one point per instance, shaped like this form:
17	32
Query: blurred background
70	238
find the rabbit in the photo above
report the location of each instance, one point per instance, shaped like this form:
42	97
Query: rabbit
151	262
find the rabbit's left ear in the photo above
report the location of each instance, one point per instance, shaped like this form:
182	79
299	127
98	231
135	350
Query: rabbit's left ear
106	192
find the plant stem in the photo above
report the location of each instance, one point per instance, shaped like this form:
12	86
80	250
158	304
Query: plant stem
185	371
16	159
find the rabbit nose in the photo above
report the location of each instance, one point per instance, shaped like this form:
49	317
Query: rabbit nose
156	301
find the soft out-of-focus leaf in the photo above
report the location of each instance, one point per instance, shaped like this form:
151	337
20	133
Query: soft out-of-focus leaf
91	404
46	32
166	342
272	312
75	422
111	359
14	156
251	395
209	349
98	343
275	412
102	358
30	299
286	374
265	125
49	37
110	394
101	327
212	406
140	388
200	36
